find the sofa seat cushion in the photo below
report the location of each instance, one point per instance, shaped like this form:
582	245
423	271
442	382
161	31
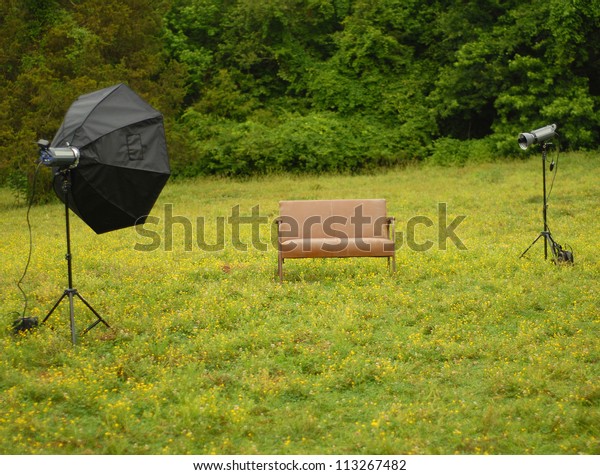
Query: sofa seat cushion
337	247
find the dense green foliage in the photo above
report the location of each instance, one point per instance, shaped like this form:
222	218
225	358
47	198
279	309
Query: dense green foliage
251	86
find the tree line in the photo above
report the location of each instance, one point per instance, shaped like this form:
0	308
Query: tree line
256	86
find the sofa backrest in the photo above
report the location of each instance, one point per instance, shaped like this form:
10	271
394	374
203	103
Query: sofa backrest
308	219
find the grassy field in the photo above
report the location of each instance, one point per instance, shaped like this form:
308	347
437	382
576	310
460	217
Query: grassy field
461	351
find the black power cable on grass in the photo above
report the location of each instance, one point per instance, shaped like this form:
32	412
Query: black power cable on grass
562	254
553	166
24	323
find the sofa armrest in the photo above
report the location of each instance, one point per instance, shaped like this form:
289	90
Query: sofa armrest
391	227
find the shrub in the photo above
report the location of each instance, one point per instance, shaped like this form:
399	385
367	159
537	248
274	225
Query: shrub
450	152
316	142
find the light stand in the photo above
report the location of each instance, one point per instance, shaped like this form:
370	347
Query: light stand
546	232
70	292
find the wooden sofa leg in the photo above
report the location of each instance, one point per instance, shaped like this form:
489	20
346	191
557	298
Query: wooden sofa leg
392	263
280	268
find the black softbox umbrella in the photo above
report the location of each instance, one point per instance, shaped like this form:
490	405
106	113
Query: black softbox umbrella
123	164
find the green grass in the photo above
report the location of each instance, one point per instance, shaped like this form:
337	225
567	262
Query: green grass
473	351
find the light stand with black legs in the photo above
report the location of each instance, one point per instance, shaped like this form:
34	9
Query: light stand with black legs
546	232
560	255
70	292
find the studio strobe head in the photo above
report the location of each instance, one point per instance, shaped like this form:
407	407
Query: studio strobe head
540	135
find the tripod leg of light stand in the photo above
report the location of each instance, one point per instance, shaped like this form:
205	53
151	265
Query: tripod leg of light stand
55	306
67	293
71	292
531	245
98	317
547	239
553	246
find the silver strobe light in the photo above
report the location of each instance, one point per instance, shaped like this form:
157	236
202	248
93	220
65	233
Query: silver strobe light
59	157
540	135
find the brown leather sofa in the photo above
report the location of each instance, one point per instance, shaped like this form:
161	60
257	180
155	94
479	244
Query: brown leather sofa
335	228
